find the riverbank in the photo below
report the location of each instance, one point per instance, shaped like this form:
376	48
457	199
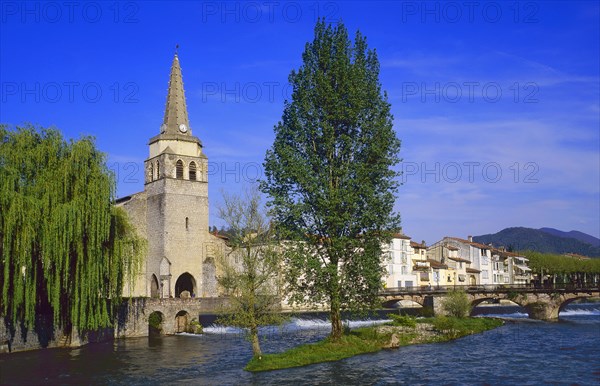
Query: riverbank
402	332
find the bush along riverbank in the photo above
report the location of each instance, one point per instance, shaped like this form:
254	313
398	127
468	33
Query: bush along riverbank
402	331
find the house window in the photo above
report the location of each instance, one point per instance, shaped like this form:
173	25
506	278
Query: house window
151	172
484	274
179	170
403	270
193	171
187	223
157	170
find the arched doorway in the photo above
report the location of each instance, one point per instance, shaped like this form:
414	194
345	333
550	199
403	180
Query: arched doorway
182	321
472	280
155	323
154	287
184	283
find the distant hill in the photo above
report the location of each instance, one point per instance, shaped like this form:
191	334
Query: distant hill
574	235
520	239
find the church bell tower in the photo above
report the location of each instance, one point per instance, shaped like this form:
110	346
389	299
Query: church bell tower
176	187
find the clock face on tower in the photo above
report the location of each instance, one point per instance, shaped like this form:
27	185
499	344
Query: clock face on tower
183	128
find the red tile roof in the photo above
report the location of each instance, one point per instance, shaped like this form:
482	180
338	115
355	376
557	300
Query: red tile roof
460	260
414	244
436	264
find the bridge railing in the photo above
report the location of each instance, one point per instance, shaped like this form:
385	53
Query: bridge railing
531	287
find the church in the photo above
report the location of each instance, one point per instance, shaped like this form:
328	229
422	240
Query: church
172	211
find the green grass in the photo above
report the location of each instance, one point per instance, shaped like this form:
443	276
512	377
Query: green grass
453	328
324	351
367	340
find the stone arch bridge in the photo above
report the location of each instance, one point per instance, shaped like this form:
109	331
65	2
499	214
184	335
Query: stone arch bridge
174	314
540	303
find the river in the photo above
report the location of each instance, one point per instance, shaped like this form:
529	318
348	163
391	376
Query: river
522	352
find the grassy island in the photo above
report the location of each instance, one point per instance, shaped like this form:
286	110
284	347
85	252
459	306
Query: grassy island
402	331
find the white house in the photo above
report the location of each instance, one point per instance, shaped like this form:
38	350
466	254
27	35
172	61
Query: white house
479	255
399	255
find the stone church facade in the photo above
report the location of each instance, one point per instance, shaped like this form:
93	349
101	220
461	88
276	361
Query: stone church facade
172	211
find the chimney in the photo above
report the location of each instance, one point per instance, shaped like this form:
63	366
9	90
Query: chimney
470	238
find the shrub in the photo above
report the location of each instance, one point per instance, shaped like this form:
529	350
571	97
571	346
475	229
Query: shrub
155	321
457	304
403	320
195	327
443	324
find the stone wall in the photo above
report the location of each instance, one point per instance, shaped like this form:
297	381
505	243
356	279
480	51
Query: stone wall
132	321
134	315
15	338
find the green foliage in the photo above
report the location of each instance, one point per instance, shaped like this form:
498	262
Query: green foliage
457	304
195	327
559	264
330	175
250	272
453	327
324	351
155	321
403	320
64	248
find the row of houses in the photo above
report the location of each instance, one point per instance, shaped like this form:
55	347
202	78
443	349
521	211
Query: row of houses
451	261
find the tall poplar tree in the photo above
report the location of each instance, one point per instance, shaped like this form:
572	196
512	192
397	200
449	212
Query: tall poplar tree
64	248
330	175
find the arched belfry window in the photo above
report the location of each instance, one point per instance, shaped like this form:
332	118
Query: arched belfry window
151	173
193	171
157	170
179	170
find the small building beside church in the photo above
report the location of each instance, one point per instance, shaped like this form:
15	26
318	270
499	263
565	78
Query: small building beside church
171	213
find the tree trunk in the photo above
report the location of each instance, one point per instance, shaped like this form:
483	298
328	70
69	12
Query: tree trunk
336	320
255	344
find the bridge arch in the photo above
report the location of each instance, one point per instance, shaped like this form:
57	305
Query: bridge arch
182	321
390	302
571	300
156	321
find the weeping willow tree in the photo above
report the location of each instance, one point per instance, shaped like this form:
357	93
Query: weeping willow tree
64	248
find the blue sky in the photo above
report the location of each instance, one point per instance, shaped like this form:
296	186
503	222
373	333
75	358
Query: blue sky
497	104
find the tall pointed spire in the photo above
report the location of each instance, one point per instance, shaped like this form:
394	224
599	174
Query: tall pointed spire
176	116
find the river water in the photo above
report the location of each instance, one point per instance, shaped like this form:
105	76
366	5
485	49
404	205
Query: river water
522	352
